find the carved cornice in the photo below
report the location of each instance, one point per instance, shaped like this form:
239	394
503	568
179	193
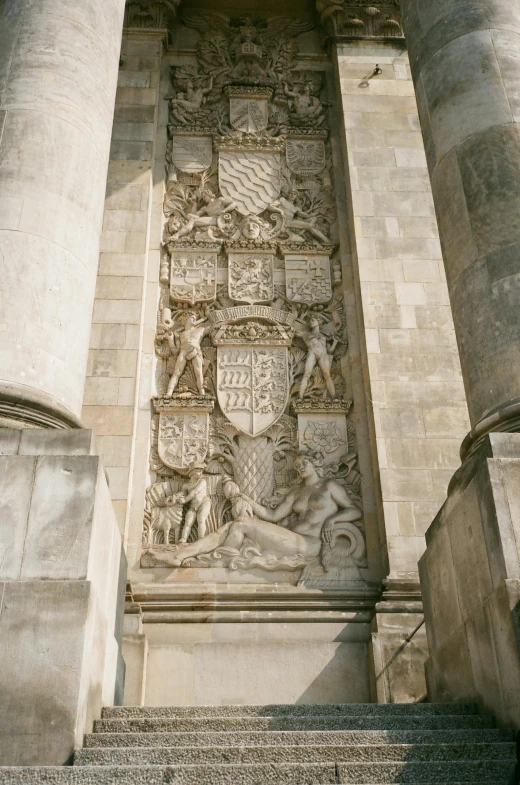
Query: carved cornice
151	14
345	20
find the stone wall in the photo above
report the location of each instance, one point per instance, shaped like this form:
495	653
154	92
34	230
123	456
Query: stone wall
126	262
412	370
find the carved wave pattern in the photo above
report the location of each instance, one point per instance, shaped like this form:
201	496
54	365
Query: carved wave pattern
252	180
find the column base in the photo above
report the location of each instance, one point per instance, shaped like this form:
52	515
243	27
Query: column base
62	580
25	407
470	579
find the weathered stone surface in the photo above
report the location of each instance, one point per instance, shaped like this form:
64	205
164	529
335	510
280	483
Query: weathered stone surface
470	576
59	61
62	565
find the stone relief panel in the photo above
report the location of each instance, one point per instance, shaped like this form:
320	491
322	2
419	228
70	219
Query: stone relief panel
253	453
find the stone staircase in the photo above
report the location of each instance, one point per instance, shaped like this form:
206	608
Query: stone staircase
434	744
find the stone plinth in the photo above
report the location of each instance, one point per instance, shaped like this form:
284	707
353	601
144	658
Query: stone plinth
470	577
62	574
58	72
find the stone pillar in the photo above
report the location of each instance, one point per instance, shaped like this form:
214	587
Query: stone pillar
411	367
58	72
465	60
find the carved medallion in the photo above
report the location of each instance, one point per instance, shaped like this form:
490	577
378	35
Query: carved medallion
183	438
193	276
192	154
250	178
307	278
305	156
252	384
251	277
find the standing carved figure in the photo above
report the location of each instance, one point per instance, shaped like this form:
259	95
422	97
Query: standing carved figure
319	351
183	105
188	340
200	504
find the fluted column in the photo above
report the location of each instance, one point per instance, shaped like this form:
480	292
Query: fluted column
58	72
465	59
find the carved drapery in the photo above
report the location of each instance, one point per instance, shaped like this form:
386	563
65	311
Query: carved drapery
355	19
152	14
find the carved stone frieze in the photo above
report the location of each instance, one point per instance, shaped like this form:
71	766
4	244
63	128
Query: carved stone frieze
344	19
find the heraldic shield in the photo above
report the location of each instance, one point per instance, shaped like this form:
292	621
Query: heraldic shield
183	439
252	385
192	154
252	179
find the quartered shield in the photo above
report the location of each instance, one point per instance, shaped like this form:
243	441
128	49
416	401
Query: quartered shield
252	179
193	276
252	385
183	439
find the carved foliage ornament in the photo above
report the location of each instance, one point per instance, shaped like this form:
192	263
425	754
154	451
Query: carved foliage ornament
361	18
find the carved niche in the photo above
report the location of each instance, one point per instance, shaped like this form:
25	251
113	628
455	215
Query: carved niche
251	415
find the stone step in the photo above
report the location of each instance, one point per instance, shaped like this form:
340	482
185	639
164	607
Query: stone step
292	738
365	753
316	722
495	772
288	710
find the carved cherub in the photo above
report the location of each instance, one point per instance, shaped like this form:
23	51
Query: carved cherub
207	215
184	105
197	494
305	107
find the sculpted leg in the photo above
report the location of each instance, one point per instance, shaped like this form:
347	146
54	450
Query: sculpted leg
202	517
180	365
199	376
188	523
309	367
325	369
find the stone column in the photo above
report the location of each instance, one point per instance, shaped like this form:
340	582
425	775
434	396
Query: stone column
465	59
58	72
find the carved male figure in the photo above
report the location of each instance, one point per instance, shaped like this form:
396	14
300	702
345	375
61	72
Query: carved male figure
200	503
188	340
305	105
207	215
296	218
319	350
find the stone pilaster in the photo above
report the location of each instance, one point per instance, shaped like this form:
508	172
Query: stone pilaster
58	72
411	368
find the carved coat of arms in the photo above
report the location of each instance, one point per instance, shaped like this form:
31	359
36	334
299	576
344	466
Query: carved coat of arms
251	277
307	278
252	385
193	276
183	439
252	179
192	154
305	156
249	114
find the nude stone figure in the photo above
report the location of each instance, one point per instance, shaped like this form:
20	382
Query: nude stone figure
319	351
200	503
188	340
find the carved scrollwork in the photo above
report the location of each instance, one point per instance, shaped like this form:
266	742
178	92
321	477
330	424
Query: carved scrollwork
346	19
